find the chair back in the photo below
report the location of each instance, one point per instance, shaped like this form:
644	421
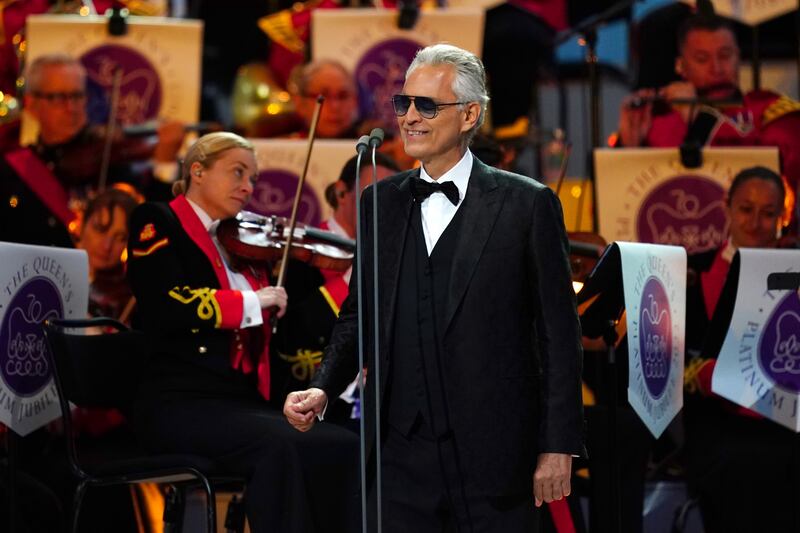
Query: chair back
96	362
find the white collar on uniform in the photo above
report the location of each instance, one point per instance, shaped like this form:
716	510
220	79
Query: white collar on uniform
204	217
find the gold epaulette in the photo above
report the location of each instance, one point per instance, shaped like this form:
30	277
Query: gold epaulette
779	108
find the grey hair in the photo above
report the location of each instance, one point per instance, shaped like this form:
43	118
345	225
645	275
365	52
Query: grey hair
34	73
469	84
302	75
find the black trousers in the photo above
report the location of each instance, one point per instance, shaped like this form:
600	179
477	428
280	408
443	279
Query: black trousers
425	490
297	482
744	471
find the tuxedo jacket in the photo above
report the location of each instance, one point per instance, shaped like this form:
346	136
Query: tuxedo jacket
511	341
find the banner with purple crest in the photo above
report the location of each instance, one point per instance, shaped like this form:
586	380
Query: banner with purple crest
38	283
654	285
159	58
647	195
759	364
280	164
377	53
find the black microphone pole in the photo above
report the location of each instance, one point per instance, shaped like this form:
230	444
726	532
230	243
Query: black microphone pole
361	147
375	140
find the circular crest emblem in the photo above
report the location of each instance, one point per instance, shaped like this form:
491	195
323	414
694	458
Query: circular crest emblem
655	336
24	362
274	195
140	92
380	74
686	211
779	347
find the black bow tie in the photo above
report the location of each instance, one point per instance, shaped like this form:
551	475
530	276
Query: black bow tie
421	189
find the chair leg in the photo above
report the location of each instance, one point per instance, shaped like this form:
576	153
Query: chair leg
211	506
77	500
235	516
173	510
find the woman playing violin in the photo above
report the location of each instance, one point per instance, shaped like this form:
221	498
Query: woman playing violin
207	388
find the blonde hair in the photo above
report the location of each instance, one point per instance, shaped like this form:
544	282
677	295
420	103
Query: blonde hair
206	150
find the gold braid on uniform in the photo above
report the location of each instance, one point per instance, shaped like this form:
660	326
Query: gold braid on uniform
779	108
207	307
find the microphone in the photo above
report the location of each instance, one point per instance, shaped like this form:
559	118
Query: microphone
375	137
407	14
362	144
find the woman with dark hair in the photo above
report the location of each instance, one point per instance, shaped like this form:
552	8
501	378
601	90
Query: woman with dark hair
207	388
744	469
104	236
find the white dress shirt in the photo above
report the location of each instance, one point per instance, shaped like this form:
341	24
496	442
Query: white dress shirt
437	210
251	315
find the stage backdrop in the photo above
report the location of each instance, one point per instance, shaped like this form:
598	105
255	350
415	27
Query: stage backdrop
159	57
647	195
38	283
759	364
654	284
371	46
280	164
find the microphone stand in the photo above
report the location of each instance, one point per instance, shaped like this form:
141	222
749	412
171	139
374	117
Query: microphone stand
361	147
375	140
587	31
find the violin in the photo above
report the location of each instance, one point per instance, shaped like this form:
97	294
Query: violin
251	237
79	162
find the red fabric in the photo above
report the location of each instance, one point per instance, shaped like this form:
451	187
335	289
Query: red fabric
282	60
230	301
669	130
335	284
562	519
42	182
713	280
553	12
12	22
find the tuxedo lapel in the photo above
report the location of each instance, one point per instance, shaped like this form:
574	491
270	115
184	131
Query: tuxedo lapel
481	206
395	212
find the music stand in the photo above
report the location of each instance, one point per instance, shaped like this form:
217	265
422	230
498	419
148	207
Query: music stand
602	303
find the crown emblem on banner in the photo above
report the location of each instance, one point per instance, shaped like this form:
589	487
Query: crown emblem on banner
27	353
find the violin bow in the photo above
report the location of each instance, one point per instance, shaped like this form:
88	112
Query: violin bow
112	119
295	206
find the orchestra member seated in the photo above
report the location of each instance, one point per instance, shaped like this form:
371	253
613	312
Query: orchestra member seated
317	295
207	387
339	116
727	446
44	186
708	63
104	236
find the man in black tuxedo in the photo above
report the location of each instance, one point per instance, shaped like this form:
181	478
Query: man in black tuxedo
480	356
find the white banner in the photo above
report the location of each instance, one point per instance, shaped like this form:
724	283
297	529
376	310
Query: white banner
759	364
647	195
371	46
654	284
160	60
37	283
280	164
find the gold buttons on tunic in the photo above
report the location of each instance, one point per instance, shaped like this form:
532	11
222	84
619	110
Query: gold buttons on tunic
202	349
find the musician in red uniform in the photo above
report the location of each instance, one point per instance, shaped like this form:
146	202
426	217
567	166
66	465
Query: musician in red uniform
708	62
207	388
43	186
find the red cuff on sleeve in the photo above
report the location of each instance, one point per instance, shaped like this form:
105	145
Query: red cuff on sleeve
231	308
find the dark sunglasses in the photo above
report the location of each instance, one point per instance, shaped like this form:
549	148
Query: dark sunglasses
425	105
60	98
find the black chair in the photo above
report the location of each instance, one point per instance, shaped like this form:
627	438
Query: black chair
97	363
